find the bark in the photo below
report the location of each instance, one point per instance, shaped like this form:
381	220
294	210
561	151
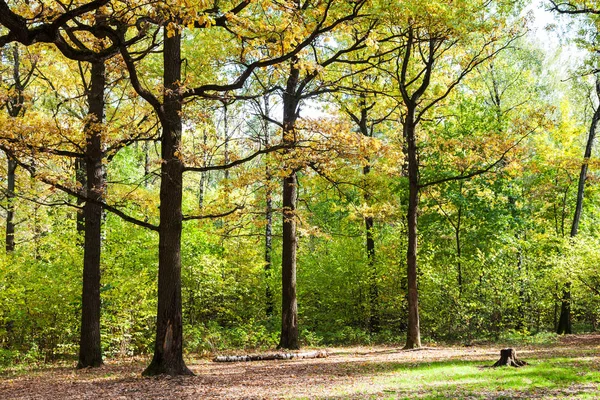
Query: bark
508	358
413	336
272	356
168	347
90	350
10	207
564	321
80	176
289	306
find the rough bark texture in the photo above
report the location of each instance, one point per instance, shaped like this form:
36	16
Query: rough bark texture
289	306
168	347
508	358
272	356
413	335
564	321
90	351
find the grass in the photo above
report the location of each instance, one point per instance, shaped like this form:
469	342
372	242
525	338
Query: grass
555	377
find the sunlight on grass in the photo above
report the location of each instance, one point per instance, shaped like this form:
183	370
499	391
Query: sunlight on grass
553	377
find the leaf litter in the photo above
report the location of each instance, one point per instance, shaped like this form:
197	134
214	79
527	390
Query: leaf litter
348	372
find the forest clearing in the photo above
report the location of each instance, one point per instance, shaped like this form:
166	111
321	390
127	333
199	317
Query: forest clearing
567	369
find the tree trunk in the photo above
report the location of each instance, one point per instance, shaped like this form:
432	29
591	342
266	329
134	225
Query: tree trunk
10	206
90	350
168	347
204	174
369	222
373	288
225	140
564	322
269	302
80	176
15	108
459	249
289	306
413	336
146	148
508	358
268	251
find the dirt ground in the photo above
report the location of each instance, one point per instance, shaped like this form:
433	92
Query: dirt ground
347	368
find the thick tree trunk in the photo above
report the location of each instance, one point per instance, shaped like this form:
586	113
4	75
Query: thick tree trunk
564	322
10	206
168	347
413	335
289	306
90	351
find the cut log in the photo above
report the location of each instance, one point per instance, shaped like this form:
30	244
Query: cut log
272	356
508	357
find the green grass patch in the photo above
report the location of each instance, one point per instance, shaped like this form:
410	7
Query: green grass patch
560	377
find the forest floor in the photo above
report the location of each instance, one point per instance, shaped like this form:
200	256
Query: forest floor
569	368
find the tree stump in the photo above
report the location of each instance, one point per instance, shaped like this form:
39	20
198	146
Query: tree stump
508	357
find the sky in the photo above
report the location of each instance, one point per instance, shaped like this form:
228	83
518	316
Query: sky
551	32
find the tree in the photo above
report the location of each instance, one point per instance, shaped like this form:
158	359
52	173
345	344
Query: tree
16	107
168	345
590	13
564	321
425	44
93	155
